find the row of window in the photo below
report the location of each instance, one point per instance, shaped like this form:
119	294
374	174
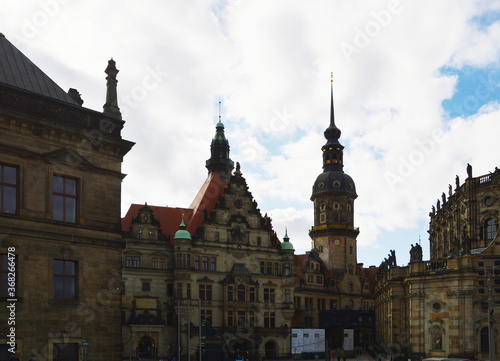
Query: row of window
155	262
64	194
240	293
275	268
309	303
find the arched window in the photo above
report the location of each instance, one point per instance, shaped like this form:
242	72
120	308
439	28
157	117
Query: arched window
491	228
241	293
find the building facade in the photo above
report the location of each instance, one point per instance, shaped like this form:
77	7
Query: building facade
215	269
441	307
60	235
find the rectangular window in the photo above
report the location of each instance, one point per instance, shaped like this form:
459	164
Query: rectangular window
216	236
188	290
319	280
8	189
269	295
170	289
128	261
178	259
136	262
65	279
276	268
158	262
188	261
179	290
269	319
308	303
251	318
205	292
251	294
287	295
213	264
321	303
230	293
146	286
196	262
204	263
138	234
269	268
241	318
206	315
298	302
152	235
8	264
64	199
262	267
286	267
230	318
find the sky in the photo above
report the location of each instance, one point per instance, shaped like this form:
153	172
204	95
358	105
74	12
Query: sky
416	92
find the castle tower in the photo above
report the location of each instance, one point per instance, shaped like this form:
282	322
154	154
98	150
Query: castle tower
333	234
219	153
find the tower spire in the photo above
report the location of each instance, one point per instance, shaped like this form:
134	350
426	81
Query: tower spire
219	152
110	108
332	150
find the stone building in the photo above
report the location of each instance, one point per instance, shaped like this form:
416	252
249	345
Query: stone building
439	307
215	268
60	190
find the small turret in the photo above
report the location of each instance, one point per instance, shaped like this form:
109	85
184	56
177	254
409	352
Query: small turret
182	233
287	245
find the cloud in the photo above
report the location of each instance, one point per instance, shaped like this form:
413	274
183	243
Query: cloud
269	64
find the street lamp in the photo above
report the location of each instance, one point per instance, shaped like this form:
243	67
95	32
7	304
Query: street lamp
84	350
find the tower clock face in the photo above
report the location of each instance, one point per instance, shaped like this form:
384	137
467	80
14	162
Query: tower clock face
337	242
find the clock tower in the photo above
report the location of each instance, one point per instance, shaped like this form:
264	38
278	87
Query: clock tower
333	233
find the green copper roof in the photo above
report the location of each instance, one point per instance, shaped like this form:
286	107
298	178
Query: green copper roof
182	233
286	244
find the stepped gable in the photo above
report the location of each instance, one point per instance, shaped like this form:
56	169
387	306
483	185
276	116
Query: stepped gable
169	218
17	70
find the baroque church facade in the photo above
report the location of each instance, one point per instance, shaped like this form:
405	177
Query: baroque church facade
445	307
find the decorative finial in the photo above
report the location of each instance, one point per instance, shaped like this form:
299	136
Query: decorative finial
331	77
219	110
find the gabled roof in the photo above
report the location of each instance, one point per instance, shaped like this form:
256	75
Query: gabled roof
16	70
169	218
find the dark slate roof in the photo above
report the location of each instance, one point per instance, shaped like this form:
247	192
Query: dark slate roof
18	71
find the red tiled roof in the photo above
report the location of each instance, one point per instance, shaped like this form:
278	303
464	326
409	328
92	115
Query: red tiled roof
206	199
169	218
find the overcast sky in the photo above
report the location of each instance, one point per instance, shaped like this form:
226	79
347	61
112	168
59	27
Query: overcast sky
416	88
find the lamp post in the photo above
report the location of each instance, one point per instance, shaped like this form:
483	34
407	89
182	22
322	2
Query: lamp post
84	350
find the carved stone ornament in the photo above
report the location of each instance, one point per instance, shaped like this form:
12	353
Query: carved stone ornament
460	293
